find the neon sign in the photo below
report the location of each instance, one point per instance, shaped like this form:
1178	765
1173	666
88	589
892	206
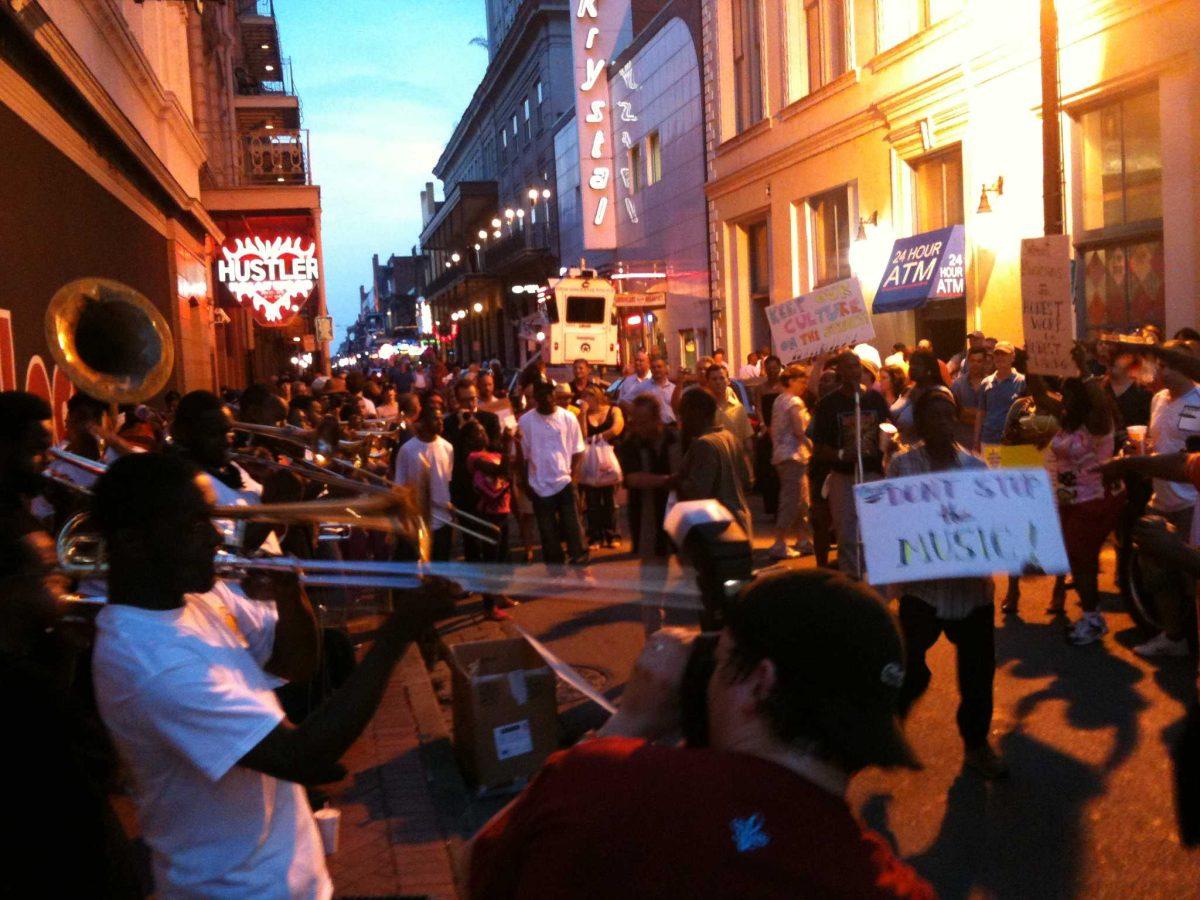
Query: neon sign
275	276
594	32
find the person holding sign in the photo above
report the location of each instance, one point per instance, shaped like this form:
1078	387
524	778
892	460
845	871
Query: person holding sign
961	608
846	439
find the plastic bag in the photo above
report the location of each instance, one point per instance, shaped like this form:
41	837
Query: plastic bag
600	467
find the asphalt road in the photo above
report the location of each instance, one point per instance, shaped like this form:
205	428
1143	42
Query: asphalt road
1088	809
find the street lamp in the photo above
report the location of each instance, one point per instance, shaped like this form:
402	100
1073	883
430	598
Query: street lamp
546	194
533	194
478	307
455	257
508	213
482	235
495	223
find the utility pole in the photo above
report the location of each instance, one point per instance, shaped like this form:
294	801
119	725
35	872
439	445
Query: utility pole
1052	169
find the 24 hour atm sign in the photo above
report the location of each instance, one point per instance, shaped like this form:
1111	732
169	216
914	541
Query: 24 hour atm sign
923	267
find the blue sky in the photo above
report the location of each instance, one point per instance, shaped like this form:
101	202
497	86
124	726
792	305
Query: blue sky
382	83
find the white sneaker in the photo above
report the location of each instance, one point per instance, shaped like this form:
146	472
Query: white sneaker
1088	630
782	551
1161	645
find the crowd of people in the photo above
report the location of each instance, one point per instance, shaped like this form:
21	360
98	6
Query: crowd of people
224	699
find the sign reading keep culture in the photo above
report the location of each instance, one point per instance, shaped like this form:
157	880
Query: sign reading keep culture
960	523
923	267
1046	305
820	321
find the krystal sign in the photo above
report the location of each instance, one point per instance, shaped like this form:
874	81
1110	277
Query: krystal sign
276	276
595	28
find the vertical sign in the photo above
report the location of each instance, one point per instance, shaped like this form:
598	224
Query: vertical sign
1046	304
595	27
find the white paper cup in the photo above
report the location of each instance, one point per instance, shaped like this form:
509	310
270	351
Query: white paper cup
329	822
887	436
1137	437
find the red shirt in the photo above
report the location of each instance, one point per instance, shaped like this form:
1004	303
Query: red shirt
621	818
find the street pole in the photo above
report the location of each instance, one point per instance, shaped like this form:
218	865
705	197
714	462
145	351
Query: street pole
1052	168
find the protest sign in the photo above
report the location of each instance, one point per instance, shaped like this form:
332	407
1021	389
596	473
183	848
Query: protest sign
1046	304
960	523
815	323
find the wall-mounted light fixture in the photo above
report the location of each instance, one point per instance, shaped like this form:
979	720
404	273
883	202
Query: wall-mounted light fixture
997	188
872	220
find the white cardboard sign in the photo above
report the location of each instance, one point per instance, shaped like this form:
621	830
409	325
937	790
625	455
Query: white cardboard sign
1047	308
820	321
960	523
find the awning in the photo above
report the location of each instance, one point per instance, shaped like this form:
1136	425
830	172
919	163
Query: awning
923	267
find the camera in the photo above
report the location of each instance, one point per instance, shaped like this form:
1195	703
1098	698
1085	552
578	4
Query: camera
708	539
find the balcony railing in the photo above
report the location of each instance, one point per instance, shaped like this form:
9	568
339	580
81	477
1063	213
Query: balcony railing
525	237
275	157
256	8
247	85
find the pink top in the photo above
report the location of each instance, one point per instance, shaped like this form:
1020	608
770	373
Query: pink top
1076	455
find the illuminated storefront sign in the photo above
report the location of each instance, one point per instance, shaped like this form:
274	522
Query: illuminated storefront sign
594	31
923	267
275	276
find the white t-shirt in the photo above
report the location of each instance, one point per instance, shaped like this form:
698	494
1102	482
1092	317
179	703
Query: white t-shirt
184	695
233	531
438	455
786	445
664	392
1172	422
749	372
548	443
630	385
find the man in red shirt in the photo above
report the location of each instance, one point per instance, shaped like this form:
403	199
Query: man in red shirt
803	695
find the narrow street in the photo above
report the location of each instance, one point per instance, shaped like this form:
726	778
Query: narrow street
1088	809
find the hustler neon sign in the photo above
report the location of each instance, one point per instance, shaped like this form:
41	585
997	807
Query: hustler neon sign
276	277
595	29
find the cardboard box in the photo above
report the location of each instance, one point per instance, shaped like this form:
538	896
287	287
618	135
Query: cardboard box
505	711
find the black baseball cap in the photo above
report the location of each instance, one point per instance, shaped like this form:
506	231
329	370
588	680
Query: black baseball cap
838	656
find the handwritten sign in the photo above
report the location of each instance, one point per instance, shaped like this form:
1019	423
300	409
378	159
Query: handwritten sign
820	321
1046	303
957	524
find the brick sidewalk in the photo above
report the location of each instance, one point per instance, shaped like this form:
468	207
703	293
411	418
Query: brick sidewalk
393	841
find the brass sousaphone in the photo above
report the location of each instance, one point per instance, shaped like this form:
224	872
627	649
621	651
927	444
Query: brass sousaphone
109	340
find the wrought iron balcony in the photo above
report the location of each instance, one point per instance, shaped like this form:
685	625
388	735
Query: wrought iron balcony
275	157
264	8
269	80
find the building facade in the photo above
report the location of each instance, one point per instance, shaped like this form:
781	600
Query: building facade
494	229
125	160
661	261
836	127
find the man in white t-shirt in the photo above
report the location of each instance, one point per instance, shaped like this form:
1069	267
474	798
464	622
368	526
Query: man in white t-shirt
184	669
752	369
660	385
428	460
548	457
1174	417
631	383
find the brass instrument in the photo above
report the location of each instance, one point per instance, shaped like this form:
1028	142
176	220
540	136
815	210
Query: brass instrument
110	340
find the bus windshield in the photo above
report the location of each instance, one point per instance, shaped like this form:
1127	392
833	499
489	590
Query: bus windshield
585	310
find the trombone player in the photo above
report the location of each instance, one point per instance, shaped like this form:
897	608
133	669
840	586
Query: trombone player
185	666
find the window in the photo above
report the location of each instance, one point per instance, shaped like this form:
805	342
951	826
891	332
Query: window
758	280
825	42
938	183
1121	251
528	126
653	158
635	168
514	124
503	137
758	260
829	217
747	64
901	19
1122	163
585	310
538	89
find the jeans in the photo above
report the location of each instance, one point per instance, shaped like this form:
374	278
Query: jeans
558	518
601	512
443	544
974	640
